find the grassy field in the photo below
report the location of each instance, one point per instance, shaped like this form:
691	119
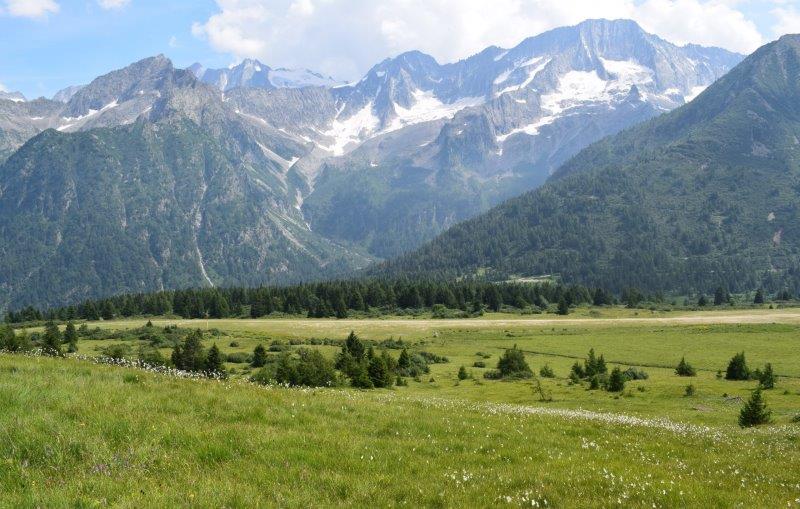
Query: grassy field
113	436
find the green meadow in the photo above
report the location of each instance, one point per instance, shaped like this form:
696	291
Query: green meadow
76	433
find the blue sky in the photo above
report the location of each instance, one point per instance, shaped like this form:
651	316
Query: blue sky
49	44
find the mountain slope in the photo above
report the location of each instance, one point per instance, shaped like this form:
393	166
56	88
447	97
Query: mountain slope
253	74
167	187
705	195
431	145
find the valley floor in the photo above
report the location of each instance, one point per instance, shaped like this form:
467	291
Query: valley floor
75	433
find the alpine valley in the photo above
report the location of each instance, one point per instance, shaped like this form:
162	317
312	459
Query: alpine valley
154	177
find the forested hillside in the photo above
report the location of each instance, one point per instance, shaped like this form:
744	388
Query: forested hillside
706	195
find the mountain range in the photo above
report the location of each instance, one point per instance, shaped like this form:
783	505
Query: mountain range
155	177
707	195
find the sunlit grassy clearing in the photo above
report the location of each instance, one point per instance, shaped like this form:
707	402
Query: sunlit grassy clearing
81	434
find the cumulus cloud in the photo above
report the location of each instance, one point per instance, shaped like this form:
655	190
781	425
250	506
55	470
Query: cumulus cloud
344	37
113	4
31	8
788	21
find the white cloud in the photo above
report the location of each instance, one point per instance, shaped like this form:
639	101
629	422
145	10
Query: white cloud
788	21
113	4
31	8
173	42
344	37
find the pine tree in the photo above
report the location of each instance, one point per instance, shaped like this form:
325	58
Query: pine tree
590	365
190	355
702	301
767	378
71	337
214	364
563	307
379	374
594	383
616	381
340	308
720	296
462	373
360	377
354	346
259	356
578	370
513	364
404	361
51	341
684	368
755	411
601	365
737	368
759	298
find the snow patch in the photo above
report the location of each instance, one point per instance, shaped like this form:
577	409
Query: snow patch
428	107
531	75
351	130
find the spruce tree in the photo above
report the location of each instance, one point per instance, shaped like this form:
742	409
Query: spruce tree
616	381
354	346
404	361
767	378
214	364
190	355
759	298
737	368
755	411
563	307
259	356
462	373
51	341
71	337
379	374
684	368
513	364
590	364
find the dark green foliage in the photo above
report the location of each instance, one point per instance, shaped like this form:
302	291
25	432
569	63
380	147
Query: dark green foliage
616	381
259	356
151	356
13	342
563	307
118	351
512	364
755	411
354	346
635	374
737	368
214	362
379	373
310	369
478	364
759	298
51	340
766	378
578	370
701	301
684	368
462	373
404	361
320	299
547	372
721	296
594	383
190	355
690	391
594	365
71	337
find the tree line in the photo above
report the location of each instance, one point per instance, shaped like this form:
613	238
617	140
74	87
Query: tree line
337	299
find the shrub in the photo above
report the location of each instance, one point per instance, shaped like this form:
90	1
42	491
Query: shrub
117	351
594	383
616	381
478	364
737	368
755	412
577	371
239	358
690	390
259	356
512	364
151	356
189	355
766	378
546	372
214	364
594	365
684	368
379	372
51	340
310	369
462	373
432	358
635	374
